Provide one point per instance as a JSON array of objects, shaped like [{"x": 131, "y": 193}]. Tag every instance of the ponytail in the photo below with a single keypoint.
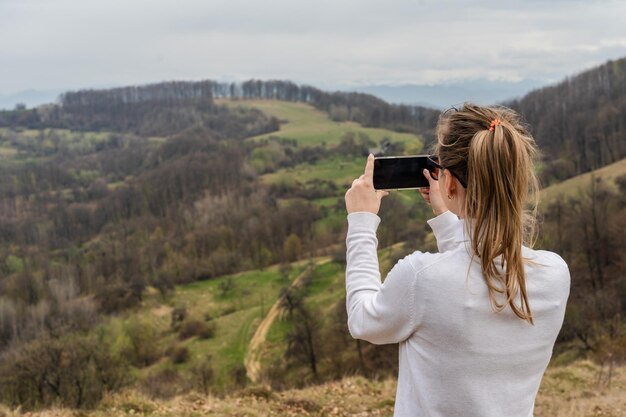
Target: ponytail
[{"x": 494, "y": 154}]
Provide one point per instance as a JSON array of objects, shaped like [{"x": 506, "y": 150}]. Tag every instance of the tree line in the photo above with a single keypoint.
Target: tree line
[
  {"x": 164, "y": 108},
  {"x": 580, "y": 123},
  {"x": 587, "y": 231},
  {"x": 365, "y": 109}
]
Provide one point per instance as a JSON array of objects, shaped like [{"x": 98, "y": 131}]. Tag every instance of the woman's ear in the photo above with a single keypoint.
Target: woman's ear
[{"x": 450, "y": 185}]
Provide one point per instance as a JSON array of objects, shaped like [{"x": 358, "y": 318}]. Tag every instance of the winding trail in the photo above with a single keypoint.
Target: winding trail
[{"x": 252, "y": 360}]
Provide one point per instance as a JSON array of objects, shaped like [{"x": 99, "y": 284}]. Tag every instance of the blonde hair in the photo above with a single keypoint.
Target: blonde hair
[{"x": 490, "y": 150}]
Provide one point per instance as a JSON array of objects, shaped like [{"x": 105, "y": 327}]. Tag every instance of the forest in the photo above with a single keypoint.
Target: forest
[
  {"x": 579, "y": 123},
  {"x": 113, "y": 198}
]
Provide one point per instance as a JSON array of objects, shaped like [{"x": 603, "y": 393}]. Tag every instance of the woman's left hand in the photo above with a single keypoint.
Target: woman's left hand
[
  {"x": 432, "y": 195},
  {"x": 362, "y": 196}
]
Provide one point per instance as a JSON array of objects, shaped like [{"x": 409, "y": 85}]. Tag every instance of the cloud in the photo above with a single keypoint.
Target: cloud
[{"x": 72, "y": 43}]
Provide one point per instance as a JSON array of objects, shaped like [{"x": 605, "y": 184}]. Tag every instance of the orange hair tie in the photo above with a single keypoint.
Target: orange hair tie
[{"x": 494, "y": 123}]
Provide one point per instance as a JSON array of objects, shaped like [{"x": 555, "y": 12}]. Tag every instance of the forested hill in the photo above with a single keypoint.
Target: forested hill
[
  {"x": 165, "y": 108},
  {"x": 580, "y": 123},
  {"x": 112, "y": 198}
]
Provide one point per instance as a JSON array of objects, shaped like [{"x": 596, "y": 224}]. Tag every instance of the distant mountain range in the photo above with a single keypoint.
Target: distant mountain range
[
  {"x": 30, "y": 98},
  {"x": 442, "y": 96}
]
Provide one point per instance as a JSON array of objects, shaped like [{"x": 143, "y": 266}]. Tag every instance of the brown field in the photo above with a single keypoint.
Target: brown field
[{"x": 566, "y": 391}]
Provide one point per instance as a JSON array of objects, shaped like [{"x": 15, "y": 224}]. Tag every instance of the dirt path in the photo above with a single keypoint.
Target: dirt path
[{"x": 255, "y": 348}]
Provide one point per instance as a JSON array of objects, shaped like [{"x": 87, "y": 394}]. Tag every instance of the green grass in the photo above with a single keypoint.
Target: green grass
[
  {"x": 228, "y": 347},
  {"x": 247, "y": 288},
  {"x": 116, "y": 184},
  {"x": 275, "y": 345},
  {"x": 7, "y": 152},
  {"x": 309, "y": 126},
  {"x": 276, "y": 333},
  {"x": 326, "y": 290},
  {"x": 156, "y": 140},
  {"x": 334, "y": 221},
  {"x": 341, "y": 171},
  {"x": 251, "y": 297},
  {"x": 323, "y": 293},
  {"x": 329, "y": 201},
  {"x": 324, "y": 276},
  {"x": 576, "y": 185},
  {"x": 327, "y": 285},
  {"x": 236, "y": 314}
]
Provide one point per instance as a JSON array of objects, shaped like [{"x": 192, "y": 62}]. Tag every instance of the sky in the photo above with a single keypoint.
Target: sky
[{"x": 73, "y": 44}]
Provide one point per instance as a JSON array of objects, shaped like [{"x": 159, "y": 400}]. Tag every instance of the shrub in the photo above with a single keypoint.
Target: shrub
[
  {"x": 198, "y": 328},
  {"x": 141, "y": 349},
  {"x": 164, "y": 384},
  {"x": 258, "y": 391},
  {"x": 202, "y": 376},
  {"x": 178, "y": 316},
  {"x": 208, "y": 331},
  {"x": 117, "y": 298},
  {"x": 228, "y": 310},
  {"x": 180, "y": 354},
  {"x": 74, "y": 371},
  {"x": 239, "y": 375}
]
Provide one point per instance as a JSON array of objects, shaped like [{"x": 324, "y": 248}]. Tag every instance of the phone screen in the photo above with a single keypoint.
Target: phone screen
[{"x": 400, "y": 172}]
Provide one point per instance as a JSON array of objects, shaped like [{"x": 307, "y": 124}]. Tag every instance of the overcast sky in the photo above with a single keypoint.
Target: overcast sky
[{"x": 70, "y": 44}]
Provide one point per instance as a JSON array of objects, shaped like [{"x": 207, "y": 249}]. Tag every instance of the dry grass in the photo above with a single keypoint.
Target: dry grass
[
  {"x": 571, "y": 391},
  {"x": 574, "y": 391}
]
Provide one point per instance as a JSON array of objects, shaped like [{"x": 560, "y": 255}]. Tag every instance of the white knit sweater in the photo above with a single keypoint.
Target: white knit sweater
[{"x": 457, "y": 356}]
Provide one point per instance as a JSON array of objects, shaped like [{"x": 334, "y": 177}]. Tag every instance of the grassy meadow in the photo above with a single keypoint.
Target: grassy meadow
[
  {"x": 309, "y": 126},
  {"x": 337, "y": 169},
  {"x": 232, "y": 305}
]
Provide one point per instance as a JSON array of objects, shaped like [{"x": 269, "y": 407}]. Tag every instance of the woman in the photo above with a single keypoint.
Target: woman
[{"x": 477, "y": 321}]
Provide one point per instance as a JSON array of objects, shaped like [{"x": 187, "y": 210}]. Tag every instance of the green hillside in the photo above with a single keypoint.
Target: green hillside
[
  {"x": 573, "y": 187},
  {"x": 231, "y": 306},
  {"x": 309, "y": 126},
  {"x": 339, "y": 170},
  {"x": 222, "y": 314}
]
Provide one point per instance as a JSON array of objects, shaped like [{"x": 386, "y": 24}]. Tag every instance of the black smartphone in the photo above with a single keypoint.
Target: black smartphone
[{"x": 400, "y": 172}]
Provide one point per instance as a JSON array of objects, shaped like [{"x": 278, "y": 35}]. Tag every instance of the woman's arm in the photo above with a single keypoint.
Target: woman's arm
[{"x": 377, "y": 312}]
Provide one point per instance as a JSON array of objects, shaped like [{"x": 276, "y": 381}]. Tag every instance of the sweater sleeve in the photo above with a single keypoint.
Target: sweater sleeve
[
  {"x": 377, "y": 312},
  {"x": 444, "y": 227}
]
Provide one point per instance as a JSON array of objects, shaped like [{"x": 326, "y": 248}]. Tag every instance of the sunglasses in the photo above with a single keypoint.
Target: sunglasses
[{"x": 435, "y": 169}]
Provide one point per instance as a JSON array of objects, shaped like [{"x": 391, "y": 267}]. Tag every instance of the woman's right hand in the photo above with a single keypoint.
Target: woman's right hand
[{"x": 432, "y": 195}]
